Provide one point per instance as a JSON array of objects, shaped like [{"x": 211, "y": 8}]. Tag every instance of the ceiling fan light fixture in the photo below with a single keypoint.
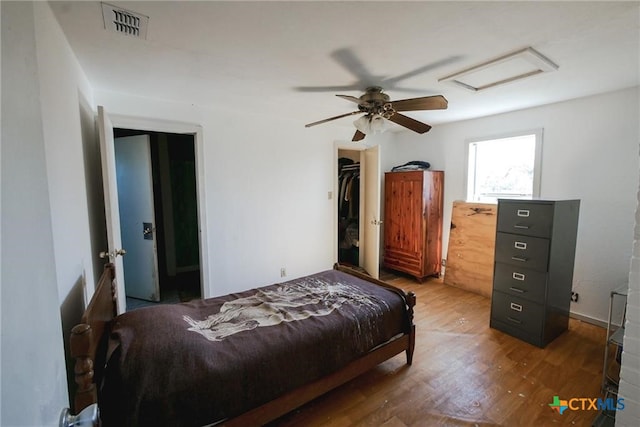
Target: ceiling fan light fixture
[{"x": 370, "y": 123}]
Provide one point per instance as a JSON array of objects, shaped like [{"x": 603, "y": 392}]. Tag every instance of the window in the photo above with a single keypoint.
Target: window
[{"x": 506, "y": 167}]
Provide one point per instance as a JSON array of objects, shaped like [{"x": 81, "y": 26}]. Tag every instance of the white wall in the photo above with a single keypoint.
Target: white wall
[
  {"x": 629, "y": 389},
  {"x": 61, "y": 88},
  {"x": 590, "y": 152},
  {"x": 33, "y": 379},
  {"x": 266, "y": 183}
]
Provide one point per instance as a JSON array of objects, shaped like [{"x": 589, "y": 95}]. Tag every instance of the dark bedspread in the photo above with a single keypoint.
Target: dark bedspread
[{"x": 196, "y": 363}]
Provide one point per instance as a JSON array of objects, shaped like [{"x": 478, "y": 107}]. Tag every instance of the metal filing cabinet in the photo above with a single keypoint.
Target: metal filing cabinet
[{"x": 533, "y": 270}]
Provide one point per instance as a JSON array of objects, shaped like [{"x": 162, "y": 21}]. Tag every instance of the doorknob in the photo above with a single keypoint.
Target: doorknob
[{"x": 106, "y": 254}]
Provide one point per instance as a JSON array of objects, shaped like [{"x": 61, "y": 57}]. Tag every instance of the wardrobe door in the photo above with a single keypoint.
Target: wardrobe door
[
  {"x": 403, "y": 231},
  {"x": 433, "y": 199}
]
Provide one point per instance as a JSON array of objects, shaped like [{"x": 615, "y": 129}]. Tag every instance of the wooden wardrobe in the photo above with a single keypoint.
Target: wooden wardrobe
[{"x": 413, "y": 202}]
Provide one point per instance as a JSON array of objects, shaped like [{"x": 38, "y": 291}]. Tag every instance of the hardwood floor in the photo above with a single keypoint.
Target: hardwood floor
[{"x": 465, "y": 373}]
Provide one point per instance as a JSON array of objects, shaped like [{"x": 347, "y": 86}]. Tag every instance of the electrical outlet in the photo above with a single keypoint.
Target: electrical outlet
[
  {"x": 574, "y": 296},
  {"x": 283, "y": 272}
]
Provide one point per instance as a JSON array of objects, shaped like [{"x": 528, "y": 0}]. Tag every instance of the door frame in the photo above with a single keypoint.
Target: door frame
[
  {"x": 166, "y": 126},
  {"x": 350, "y": 146}
]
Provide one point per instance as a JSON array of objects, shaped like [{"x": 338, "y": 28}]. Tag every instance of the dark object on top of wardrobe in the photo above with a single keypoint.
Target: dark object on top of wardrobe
[{"x": 412, "y": 166}]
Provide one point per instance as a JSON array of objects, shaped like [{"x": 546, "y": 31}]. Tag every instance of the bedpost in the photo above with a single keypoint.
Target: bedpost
[
  {"x": 411, "y": 302},
  {"x": 81, "y": 345},
  {"x": 87, "y": 336}
]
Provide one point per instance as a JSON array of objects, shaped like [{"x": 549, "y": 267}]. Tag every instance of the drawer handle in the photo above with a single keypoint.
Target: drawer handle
[
  {"x": 524, "y": 213},
  {"x": 520, "y": 245},
  {"x": 518, "y": 290},
  {"x": 521, "y": 259},
  {"x": 521, "y": 226},
  {"x": 515, "y": 307},
  {"x": 514, "y": 320},
  {"x": 518, "y": 276}
]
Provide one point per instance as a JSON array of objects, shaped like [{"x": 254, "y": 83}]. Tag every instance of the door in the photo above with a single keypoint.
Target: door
[
  {"x": 137, "y": 219},
  {"x": 371, "y": 226},
  {"x": 115, "y": 250},
  {"x": 404, "y": 214}
]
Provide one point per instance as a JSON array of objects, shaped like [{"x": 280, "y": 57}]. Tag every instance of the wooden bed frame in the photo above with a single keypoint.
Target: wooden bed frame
[{"x": 88, "y": 341}]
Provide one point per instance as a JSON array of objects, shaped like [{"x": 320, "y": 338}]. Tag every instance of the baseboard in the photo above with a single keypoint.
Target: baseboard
[{"x": 588, "y": 319}]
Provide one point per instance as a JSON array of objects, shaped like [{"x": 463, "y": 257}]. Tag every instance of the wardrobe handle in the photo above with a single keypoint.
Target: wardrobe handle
[
  {"x": 520, "y": 291},
  {"x": 521, "y": 259},
  {"x": 520, "y": 226},
  {"x": 514, "y": 320}
]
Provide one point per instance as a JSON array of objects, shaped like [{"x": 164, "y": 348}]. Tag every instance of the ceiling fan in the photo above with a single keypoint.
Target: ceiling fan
[{"x": 377, "y": 106}]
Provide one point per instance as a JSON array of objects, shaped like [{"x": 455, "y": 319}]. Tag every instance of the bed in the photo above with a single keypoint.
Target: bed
[{"x": 241, "y": 359}]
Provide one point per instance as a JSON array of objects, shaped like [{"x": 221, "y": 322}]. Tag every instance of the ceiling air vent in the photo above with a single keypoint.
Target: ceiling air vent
[{"x": 124, "y": 21}]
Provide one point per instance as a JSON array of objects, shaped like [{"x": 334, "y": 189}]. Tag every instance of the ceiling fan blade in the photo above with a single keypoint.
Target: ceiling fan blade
[
  {"x": 327, "y": 88},
  {"x": 409, "y": 123},
  {"x": 437, "y": 102},
  {"x": 319, "y": 122},
  {"x": 390, "y": 82},
  {"x": 363, "y": 104},
  {"x": 358, "y": 136},
  {"x": 350, "y": 98},
  {"x": 350, "y": 61}
]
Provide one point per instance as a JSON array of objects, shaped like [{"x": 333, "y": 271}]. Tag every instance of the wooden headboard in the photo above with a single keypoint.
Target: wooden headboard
[{"x": 89, "y": 336}]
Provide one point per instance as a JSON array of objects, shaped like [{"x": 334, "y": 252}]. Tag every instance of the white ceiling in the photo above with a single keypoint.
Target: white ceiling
[{"x": 259, "y": 56}]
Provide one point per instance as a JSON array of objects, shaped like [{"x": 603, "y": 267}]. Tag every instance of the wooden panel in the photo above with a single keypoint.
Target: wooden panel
[{"x": 471, "y": 249}]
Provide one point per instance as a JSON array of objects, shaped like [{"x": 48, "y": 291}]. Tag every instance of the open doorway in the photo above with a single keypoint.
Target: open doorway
[{"x": 175, "y": 212}]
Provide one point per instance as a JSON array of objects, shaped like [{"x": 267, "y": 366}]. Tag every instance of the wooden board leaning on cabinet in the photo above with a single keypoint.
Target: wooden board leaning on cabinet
[{"x": 472, "y": 240}]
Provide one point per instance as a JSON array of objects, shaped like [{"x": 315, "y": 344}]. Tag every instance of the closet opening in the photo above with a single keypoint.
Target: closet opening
[
  {"x": 349, "y": 191},
  {"x": 357, "y": 207}
]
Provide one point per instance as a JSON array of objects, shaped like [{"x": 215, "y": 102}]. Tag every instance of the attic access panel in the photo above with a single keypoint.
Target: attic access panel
[{"x": 508, "y": 68}]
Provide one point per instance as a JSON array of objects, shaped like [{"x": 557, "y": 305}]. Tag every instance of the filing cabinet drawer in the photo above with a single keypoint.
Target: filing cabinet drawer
[
  {"x": 519, "y": 313},
  {"x": 520, "y": 282},
  {"x": 522, "y": 251},
  {"x": 531, "y": 219}
]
